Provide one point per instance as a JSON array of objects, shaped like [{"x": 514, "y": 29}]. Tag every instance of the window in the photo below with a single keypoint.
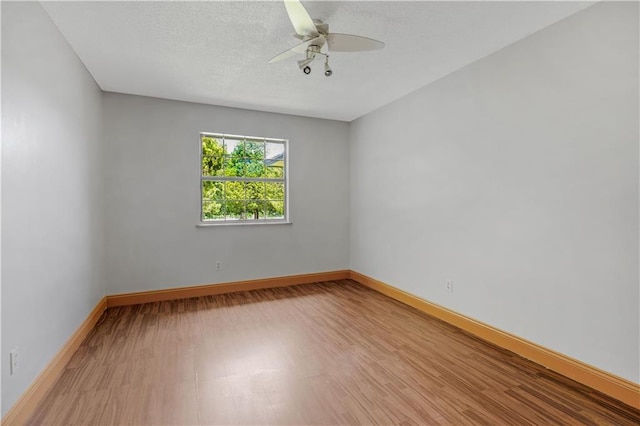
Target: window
[{"x": 242, "y": 179}]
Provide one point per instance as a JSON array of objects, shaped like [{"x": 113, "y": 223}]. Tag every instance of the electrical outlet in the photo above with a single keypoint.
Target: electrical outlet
[
  {"x": 449, "y": 286},
  {"x": 13, "y": 360},
  {"x": 218, "y": 266}
]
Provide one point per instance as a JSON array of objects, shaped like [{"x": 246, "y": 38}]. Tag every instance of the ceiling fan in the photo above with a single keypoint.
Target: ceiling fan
[{"x": 315, "y": 35}]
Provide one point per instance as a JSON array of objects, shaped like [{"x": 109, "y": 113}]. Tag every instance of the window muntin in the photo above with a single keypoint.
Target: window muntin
[{"x": 242, "y": 179}]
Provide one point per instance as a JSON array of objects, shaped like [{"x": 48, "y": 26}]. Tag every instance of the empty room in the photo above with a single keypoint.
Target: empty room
[{"x": 320, "y": 212}]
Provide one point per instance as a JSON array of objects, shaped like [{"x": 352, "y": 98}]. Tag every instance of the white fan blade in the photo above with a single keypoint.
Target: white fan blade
[
  {"x": 300, "y": 48},
  {"x": 352, "y": 43},
  {"x": 300, "y": 19},
  {"x": 284, "y": 55}
]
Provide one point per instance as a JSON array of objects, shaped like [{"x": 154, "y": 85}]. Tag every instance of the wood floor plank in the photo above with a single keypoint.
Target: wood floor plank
[{"x": 323, "y": 353}]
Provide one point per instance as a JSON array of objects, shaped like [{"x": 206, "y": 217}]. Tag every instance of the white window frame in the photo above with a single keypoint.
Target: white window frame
[{"x": 285, "y": 180}]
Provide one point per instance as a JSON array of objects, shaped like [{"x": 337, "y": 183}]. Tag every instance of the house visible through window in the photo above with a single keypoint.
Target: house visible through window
[{"x": 242, "y": 179}]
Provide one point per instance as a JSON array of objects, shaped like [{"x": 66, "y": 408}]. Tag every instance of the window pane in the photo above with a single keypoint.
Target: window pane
[
  {"x": 274, "y": 151},
  {"x": 256, "y": 209},
  {"x": 212, "y": 152},
  {"x": 212, "y": 166},
  {"x": 275, "y": 170},
  {"x": 275, "y": 209},
  {"x": 254, "y": 149},
  {"x": 212, "y": 210},
  {"x": 254, "y": 168},
  {"x": 274, "y": 160},
  {"x": 275, "y": 190},
  {"x": 234, "y": 166},
  {"x": 212, "y": 146},
  {"x": 235, "y": 210},
  {"x": 234, "y": 147},
  {"x": 234, "y": 190},
  {"x": 212, "y": 191},
  {"x": 255, "y": 191}
]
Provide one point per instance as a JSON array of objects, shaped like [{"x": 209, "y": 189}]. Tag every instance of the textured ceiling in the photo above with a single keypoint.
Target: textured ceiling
[{"x": 216, "y": 52}]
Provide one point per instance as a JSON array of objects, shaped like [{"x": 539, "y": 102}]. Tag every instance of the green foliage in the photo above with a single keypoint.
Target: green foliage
[
  {"x": 212, "y": 156},
  {"x": 241, "y": 200},
  {"x": 213, "y": 200}
]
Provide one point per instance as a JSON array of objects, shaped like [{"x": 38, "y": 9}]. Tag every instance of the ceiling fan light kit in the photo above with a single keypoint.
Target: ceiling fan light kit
[{"x": 315, "y": 35}]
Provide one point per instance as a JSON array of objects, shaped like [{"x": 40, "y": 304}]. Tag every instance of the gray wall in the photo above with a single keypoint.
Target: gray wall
[
  {"x": 152, "y": 205},
  {"x": 517, "y": 178},
  {"x": 52, "y": 227}
]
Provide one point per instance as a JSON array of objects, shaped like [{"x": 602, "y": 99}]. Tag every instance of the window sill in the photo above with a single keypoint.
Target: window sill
[{"x": 258, "y": 223}]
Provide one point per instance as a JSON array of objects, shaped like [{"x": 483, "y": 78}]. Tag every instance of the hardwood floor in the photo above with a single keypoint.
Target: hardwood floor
[{"x": 325, "y": 353}]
